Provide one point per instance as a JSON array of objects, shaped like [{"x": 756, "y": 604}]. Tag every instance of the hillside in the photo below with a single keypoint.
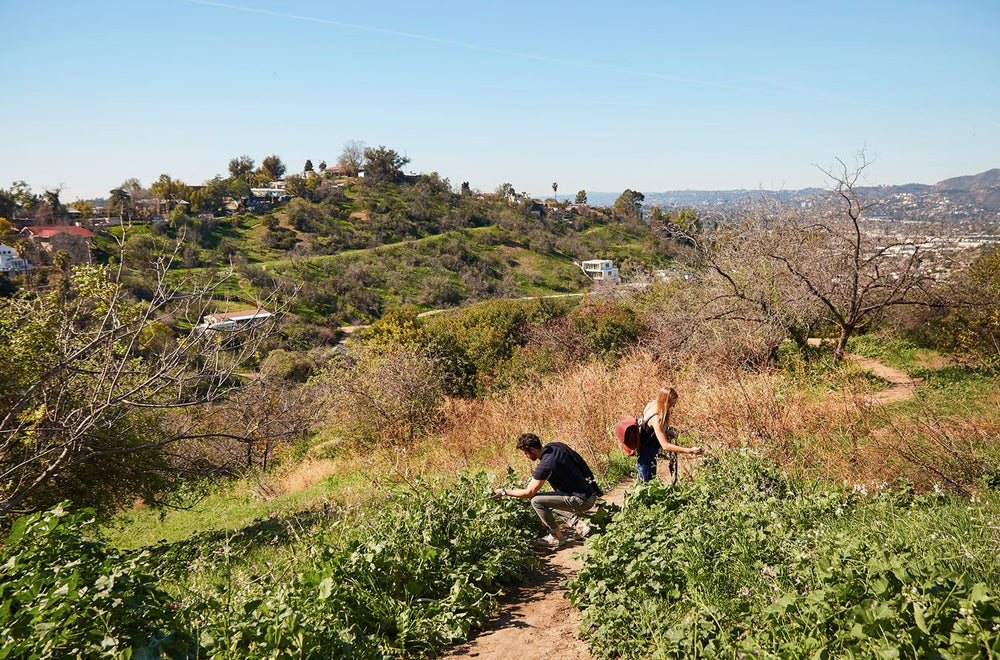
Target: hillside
[{"x": 358, "y": 249}]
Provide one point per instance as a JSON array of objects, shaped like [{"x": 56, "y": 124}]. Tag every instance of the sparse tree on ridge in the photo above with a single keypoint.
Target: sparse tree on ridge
[
  {"x": 120, "y": 202},
  {"x": 352, "y": 158},
  {"x": 308, "y": 167},
  {"x": 581, "y": 197},
  {"x": 240, "y": 167},
  {"x": 384, "y": 165},
  {"x": 628, "y": 206},
  {"x": 271, "y": 168}
]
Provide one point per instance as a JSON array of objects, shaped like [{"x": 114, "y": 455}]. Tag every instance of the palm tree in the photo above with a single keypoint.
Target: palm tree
[{"x": 555, "y": 187}]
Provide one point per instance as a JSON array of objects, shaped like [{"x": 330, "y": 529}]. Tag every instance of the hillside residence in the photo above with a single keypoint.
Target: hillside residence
[
  {"x": 234, "y": 320},
  {"x": 600, "y": 270},
  {"x": 71, "y": 238},
  {"x": 11, "y": 262}
]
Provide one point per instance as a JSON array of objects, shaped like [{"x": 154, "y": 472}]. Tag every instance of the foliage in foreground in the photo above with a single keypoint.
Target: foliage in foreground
[
  {"x": 746, "y": 562},
  {"x": 417, "y": 572}
]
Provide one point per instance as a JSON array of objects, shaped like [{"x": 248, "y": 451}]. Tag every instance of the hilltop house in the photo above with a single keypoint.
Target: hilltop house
[
  {"x": 600, "y": 270},
  {"x": 11, "y": 262},
  {"x": 74, "y": 240}
]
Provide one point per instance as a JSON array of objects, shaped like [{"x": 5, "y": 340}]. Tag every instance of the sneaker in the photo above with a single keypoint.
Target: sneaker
[
  {"x": 549, "y": 541},
  {"x": 582, "y": 530}
]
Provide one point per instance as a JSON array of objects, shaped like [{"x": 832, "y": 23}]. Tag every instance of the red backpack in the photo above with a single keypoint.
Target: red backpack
[{"x": 627, "y": 432}]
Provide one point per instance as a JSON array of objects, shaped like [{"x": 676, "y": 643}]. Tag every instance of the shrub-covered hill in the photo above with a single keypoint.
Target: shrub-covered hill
[{"x": 350, "y": 251}]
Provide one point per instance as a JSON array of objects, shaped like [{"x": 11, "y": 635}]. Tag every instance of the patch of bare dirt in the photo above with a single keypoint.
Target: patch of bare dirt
[{"x": 901, "y": 385}]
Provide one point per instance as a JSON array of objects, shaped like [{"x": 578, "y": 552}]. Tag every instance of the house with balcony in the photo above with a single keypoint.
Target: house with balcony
[{"x": 600, "y": 270}]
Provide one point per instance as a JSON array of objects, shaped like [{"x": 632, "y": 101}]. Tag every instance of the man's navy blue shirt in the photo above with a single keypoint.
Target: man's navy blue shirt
[{"x": 565, "y": 470}]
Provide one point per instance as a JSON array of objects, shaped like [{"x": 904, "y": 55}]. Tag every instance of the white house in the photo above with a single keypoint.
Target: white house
[
  {"x": 600, "y": 270},
  {"x": 11, "y": 262},
  {"x": 234, "y": 320}
]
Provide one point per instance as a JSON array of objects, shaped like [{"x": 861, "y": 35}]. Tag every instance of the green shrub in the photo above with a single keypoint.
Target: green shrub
[
  {"x": 62, "y": 595},
  {"x": 746, "y": 562}
]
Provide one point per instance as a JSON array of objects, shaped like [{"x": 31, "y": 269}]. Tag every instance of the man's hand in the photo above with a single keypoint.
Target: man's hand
[{"x": 499, "y": 492}]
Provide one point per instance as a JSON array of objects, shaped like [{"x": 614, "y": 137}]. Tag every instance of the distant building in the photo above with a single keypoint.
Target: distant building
[
  {"x": 74, "y": 240},
  {"x": 600, "y": 270},
  {"x": 11, "y": 262},
  {"x": 234, "y": 320}
]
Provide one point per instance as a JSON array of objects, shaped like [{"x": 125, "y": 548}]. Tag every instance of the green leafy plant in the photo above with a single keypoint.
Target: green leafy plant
[{"x": 747, "y": 562}]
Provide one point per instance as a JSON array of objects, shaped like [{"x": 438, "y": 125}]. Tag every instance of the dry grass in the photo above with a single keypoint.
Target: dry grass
[
  {"x": 840, "y": 434},
  {"x": 300, "y": 476}
]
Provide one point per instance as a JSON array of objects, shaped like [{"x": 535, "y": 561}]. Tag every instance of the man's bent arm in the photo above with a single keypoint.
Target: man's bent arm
[{"x": 533, "y": 487}]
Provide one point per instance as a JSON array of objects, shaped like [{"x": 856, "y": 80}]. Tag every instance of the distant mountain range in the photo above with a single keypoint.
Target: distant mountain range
[{"x": 972, "y": 197}]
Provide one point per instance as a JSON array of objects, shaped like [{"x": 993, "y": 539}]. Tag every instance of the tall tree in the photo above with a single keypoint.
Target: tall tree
[
  {"x": 383, "y": 165},
  {"x": 120, "y": 202},
  {"x": 628, "y": 206},
  {"x": 271, "y": 168},
  {"x": 352, "y": 158},
  {"x": 555, "y": 187},
  {"x": 55, "y": 208},
  {"x": 240, "y": 167},
  {"x": 308, "y": 167}
]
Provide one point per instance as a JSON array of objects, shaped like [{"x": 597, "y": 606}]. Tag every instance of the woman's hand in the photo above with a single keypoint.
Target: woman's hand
[{"x": 698, "y": 451}]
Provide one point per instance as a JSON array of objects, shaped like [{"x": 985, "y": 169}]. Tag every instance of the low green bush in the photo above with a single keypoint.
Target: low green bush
[
  {"x": 415, "y": 571},
  {"x": 62, "y": 595},
  {"x": 746, "y": 562}
]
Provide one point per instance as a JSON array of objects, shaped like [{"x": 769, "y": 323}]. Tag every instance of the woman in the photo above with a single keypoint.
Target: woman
[{"x": 656, "y": 435}]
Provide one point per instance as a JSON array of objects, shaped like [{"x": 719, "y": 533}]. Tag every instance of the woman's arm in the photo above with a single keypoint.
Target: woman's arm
[{"x": 665, "y": 443}]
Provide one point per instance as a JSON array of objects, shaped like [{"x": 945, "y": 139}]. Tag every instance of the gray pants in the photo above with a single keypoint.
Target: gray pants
[{"x": 563, "y": 505}]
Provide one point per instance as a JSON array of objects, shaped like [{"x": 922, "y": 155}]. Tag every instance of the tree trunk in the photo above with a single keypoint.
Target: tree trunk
[{"x": 840, "y": 348}]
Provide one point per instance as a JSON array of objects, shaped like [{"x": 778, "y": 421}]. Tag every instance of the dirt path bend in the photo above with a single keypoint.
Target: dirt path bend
[
  {"x": 536, "y": 619},
  {"x": 901, "y": 385}
]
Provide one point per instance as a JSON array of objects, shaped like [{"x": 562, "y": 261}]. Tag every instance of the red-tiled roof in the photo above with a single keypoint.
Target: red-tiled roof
[{"x": 49, "y": 232}]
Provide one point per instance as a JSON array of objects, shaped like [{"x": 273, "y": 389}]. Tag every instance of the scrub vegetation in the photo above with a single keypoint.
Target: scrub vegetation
[{"x": 294, "y": 491}]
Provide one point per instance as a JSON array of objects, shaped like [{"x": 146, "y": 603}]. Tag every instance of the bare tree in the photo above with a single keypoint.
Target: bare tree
[
  {"x": 795, "y": 267},
  {"x": 92, "y": 378},
  {"x": 352, "y": 157},
  {"x": 389, "y": 395}
]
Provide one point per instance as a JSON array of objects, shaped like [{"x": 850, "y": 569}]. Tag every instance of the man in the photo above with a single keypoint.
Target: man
[{"x": 573, "y": 483}]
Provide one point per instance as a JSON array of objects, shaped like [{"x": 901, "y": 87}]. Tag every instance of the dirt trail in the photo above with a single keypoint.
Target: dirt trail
[
  {"x": 901, "y": 385},
  {"x": 536, "y": 620}
]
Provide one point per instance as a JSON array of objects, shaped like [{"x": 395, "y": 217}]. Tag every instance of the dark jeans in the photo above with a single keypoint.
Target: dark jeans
[{"x": 647, "y": 461}]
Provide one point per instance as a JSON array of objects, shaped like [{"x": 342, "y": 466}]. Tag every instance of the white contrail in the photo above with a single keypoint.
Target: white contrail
[{"x": 476, "y": 47}]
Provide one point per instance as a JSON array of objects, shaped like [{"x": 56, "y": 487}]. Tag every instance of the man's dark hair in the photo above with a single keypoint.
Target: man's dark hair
[{"x": 529, "y": 441}]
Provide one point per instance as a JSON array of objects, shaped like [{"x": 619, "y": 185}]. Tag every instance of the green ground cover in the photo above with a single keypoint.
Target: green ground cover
[{"x": 747, "y": 562}]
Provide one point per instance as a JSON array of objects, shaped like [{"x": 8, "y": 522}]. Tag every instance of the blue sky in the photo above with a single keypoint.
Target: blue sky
[{"x": 601, "y": 96}]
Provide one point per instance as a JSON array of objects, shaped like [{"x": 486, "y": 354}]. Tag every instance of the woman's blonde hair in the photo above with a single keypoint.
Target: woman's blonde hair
[{"x": 666, "y": 395}]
